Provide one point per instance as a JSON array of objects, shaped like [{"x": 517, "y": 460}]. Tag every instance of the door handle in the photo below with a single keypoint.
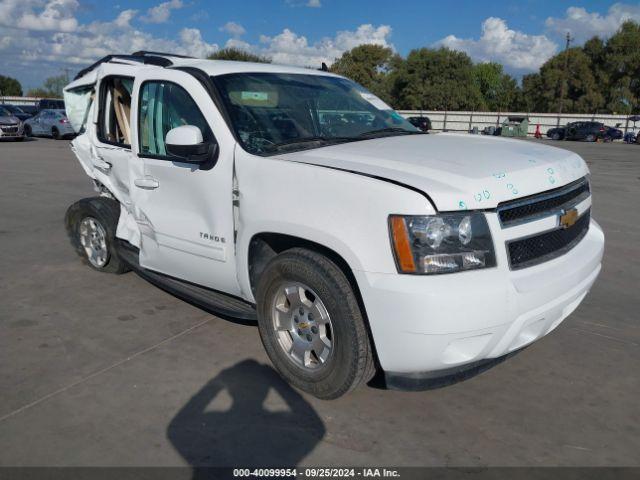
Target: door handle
[{"x": 148, "y": 183}]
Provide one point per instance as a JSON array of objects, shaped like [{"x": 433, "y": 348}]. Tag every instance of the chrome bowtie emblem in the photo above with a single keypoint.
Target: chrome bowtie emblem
[{"x": 568, "y": 218}]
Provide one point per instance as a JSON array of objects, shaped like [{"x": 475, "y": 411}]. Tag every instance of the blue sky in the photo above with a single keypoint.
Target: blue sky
[{"x": 40, "y": 38}]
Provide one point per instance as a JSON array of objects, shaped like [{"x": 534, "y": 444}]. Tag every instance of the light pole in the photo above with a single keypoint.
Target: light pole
[{"x": 563, "y": 80}]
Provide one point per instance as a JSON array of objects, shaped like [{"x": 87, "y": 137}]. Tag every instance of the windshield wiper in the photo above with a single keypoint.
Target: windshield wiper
[
  {"x": 314, "y": 139},
  {"x": 382, "y": 131}
]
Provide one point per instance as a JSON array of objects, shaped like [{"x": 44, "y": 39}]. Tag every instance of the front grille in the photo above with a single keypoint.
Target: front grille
[
  {"x": 529, "y": 251},
  {"x": 9, "y": 128},
  {"x": 543, "y": 205}
]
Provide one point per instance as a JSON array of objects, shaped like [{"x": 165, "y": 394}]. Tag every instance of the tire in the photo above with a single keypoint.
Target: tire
[
  {"x": 555, "y": 136},
  {"x": 590, "y": 138},
  {"x": 350, "y": 361},
  {"x": 103, "y": 213},
  {"x": 27, "y": 131},
  {"x": 55, "y": 133}
]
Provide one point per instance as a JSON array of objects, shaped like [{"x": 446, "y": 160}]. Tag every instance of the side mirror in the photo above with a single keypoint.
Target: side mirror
[{"x": 186, "y": 142}]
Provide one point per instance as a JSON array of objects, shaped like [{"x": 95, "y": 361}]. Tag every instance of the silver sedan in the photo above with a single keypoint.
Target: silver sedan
[
  {"x": 10, "y": 126},
  {"x": 53, "y": 123}
]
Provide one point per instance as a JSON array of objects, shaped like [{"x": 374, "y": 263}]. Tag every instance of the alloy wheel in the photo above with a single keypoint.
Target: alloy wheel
[
  {"x": 302, "y": 325},
  {"x": 93, "y": 239}
]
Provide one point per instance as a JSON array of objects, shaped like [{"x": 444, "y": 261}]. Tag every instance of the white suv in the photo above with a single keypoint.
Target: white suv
[{"x": 298, "y": 198}]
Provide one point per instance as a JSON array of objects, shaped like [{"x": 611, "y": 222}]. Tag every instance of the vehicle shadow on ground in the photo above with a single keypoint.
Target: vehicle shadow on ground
[{"x": 208, "y": 432}]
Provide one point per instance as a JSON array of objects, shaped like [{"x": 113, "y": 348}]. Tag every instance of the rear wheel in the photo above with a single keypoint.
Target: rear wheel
[
  {"x": 55, "y": 133},
  {"x": 91, "y": 226},
  {"x": 311, "y": 324},
  {"x": 590, "y": 138}
]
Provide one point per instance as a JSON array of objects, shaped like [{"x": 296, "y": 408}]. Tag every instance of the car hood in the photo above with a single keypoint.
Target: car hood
[
  {"x": 8, "y": 120},
  {"x": 457, "y": 171}
]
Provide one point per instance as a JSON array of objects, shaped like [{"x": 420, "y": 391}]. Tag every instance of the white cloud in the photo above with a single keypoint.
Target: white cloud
[
  {"x": 234, "y": 29},
  {"x": 123, "y": 20},
  {"x": 161, "y": 12},
  {"x": 36, "y": 54},
  {"x": 583, "y": 25},
  {"x": 304, "y": 3},
  {"x": 41, "y": 49},
  {"x": 292, "y": 49},
  {"x": 517, "y": 51},
  {"x": 54, "y": 15},
  {"x": 239, "y": 44}
]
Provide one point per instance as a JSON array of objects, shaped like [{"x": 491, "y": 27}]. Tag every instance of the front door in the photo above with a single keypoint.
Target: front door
[{"x": 184, "y": 211}]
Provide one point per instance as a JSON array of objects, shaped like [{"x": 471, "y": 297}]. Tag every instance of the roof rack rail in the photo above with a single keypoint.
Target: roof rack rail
[
  {"x": 139, "y": 57},
  {"x": 143, "y": 53}
]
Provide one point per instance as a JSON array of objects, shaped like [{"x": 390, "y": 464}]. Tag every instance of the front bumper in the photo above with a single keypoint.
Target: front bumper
[
  {"x": 11, "y": 132},
  {"x": 437, "y": 323}
]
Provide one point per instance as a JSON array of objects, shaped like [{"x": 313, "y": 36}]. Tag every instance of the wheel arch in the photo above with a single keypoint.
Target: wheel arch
[{"x": 264, "y": 246}]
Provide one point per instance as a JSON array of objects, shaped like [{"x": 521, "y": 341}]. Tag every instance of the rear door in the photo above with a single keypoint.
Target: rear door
[
  {"x": 37, "y": 123},
  {"x": 184, "y": 211}
]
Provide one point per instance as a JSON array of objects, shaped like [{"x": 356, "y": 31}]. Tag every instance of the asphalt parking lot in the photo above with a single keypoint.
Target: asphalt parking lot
[{"x": 106, "y": 370}]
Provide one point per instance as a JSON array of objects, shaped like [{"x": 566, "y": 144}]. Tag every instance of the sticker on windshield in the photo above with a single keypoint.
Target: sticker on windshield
[
  {"x": 256, "y": 96},
  {"x": 375, "y": 101}
]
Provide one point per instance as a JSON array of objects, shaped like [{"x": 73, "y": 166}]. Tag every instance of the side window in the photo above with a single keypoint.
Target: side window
[
  {"x": 164, "y": 106},
  {"x": 114, "y": 125}
]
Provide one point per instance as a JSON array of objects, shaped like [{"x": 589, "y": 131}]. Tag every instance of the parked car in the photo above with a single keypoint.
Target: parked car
[
  {"x": 50, "y": 104},
  {"x": 16, "y": 112},
  {"x": 30, "y": 110},
  {"x": 371, "y": 247},
  {"x": 423, "y": 123},
  {"x": 613, "y": 133},
  {"x": 556, "y": 133},
  {"x": 585, "y": 131},
  {"x": 11, "y": 127},
  {"x": 53, "y": 123}
]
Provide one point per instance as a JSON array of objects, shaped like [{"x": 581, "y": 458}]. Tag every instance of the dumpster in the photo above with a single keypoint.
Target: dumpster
[{"x": 515, "y": 126}]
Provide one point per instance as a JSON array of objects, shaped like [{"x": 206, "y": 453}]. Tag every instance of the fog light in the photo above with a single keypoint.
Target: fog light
[
  {"x": 473, "y": 259},
  {"x": 439, "y": 263}
]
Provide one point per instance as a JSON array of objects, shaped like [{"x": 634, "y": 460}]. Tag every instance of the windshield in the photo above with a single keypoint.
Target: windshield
[
  {"x": 279, "y": 112},
  {"x": 4, "y": 112},
  {"x": 12, "y": 108}
]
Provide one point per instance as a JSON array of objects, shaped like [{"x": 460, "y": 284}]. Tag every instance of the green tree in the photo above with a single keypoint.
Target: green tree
[
  {"x": 54, "y": 85},
  {"x": 238, "y": 55},
  {"x": 10, "y": 86},
  {"x": 52, "y": 88},
  {"x": 38, "y": 92},
  {"x": 582, "y": 92},
  {"x": 622, "y": 60},
  {"x": 372, "y": 66},
  {"x": 436, "y": 79},
  {"x": 499, "y": 90}
]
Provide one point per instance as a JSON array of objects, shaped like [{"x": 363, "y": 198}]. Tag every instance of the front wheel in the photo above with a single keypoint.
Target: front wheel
[
  {"x": 55, "y": 133},
  {"x": 311, "y": 324},
  {"x": 555, "y": 136},
  {"x": 27, "y": 131}
]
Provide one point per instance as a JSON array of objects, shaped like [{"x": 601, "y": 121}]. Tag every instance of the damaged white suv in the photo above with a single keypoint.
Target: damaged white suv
[{"x": 297, "y": 198}]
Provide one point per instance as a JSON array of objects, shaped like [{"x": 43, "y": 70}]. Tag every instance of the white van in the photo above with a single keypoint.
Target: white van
[{"x": 297, "y": 198}]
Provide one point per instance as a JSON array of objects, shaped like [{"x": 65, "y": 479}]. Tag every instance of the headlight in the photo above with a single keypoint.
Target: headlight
[{"x": 445, "y": 243}]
